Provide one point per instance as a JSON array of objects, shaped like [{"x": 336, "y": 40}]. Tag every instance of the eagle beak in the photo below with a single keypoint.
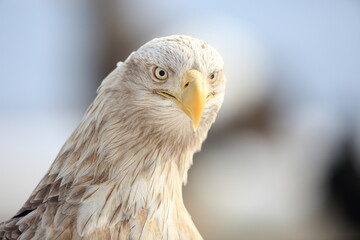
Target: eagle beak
[{"x": 193, "y": 96}]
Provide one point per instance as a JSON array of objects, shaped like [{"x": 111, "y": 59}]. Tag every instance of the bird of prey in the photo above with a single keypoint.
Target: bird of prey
[{"x": 120, "y": 174}]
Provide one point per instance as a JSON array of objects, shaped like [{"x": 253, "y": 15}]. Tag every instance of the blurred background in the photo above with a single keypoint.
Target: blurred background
[{"x": 283, "y": 159}]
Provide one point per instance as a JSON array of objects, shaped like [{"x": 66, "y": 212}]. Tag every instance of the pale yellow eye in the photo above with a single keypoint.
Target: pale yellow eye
[
  {"x": 212, "y": 77},
  {"x": 160, "y": 74}
]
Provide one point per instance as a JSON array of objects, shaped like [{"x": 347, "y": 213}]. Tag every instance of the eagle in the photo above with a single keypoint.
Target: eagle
[{"x": 120, "y": 173}]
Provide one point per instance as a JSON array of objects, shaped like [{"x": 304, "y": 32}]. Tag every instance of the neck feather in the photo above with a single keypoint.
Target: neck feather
[{"x": 125, "y": 169}]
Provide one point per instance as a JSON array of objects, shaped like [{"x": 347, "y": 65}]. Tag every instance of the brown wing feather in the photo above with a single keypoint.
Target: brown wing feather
[{"x": 26, "y": 221}]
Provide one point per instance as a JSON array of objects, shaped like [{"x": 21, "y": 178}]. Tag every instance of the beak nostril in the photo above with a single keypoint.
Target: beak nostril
[{"x": 186, "y": 85}]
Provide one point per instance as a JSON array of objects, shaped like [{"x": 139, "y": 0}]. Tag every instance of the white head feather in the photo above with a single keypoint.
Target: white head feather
[{"x": 177, "y": 54}]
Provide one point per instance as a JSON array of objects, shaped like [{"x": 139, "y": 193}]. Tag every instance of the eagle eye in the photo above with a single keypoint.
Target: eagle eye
[{"x": 160, "y": 74}]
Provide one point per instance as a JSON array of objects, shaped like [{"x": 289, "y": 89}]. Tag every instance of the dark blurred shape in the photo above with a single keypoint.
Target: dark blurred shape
[
  {"x": 119, "y": 39},
  {"x": 344, "y": 183}
]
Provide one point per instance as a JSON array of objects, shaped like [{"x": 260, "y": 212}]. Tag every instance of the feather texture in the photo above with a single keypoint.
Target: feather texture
[{"x": 120, "y": 174}]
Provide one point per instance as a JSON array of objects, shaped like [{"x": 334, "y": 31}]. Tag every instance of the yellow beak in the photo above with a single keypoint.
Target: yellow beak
[{"x": 192, "y": 97}]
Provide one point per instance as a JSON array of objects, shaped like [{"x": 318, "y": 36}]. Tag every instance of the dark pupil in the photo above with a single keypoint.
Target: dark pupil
[
  {"x": 212, "y": 76},
  {"x": 162, "y": 73}
]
